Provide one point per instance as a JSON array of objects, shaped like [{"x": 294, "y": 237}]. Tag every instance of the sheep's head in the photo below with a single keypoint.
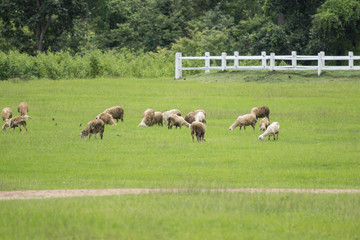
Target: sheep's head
[
  {"x": 263, "y": 127},
  {"x": 261, "y": 138},
  {"x": 83, "y": 135},
  {"x": 231, "y": 128},
  {"x": 5, "y": 126},
  {"x": 26, "y": 117}
]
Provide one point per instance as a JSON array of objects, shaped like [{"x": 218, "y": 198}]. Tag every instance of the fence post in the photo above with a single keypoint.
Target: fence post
[
  {"x": 236, "y": 60},
  {"x": 263, "y": 60},
  {"x": 207, "y": 62},
  {"x": 322, "y": 57},
  {"x": 293, "y": 60},
  {"x": 320, "y": 62},
  {"x": 351, "y": 60},
  {"x": 223, "y": 61},
  {"x": 272, "y": 61},
  {"x": 178, "y": 65}
]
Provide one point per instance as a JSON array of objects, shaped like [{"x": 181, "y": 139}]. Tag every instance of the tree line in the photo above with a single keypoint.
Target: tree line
[{"x": 192, "y": 27}]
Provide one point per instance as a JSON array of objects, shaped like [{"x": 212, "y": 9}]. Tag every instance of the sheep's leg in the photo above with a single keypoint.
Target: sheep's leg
[
  {"x": 253, "y": 126},
  {"x": 192, "y": 135},
  {"x": 101, "y": 135},
  {"x": 240, "y": 127},
  {"x": 277, "y": 136},
  {"x": 90, "y": 135},
  {"x": 19, "y": 127},
  {"x": 25, "y": 127},
  {"x": 95, "y": 136}
]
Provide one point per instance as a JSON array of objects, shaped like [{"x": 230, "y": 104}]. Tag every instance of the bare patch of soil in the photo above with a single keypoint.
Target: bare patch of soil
[{"x": 41, "y": 194}]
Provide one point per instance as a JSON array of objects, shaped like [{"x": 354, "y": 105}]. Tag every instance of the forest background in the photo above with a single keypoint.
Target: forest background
[{"x": 91, "y": 29}]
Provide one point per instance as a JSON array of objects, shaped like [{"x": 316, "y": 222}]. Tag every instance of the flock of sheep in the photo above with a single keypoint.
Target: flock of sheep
[{"x": 194, "y": 120}]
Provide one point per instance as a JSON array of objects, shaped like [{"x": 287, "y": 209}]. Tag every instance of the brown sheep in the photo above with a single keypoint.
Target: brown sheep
[
  {"x": 158, "y": 118},
  {"x": 147, "y": 118},
  {"x": 175, "y": 120},
  {"x": 116, "y": 112},
  {"x": 23, "y": 109},
  {"x": 107, "y": 118},
  {"x": 190, "y": 117},
  {"x": 262, "y": 111},
  {"x": 167, "y": 114},
  {"x": 16, "y": 122},
  {"x": 264, "y": 123},
  {"x": 6, "y": 114},
  {"x": 93, "y": 127},
  {"x": 245, "y": 120},
  {"x": 199, "y": 129}
]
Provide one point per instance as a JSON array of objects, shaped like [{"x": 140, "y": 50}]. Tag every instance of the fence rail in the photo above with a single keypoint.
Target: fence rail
[{"x": 267, "y": 62}]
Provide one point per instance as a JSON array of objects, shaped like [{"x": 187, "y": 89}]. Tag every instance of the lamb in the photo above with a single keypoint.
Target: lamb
[
  {"x": 262, "y": 111},
  {"x": 16, "y": 122},
  {"x": 190, "y": 117},
  {"x": 167, "y": 114},
  {"x": 200, "y": 117},
  {"x": 177, "y": 121},
  {"x": 198, "y": 128},
  {"x": 272, "y": 130},
  {"x": 93, "y": 127},
  {"x": 107, "y": 118},
  {"x": 116, "y": 112},
  {"x": 23, "y": 109},
  {"x": 6, "y": 114},
  {"x": 158, "y": 118},
  {"x": 244, "y": 120},
  {"x": 264, "y": 123},
  {"x": 147, "y": 118}
]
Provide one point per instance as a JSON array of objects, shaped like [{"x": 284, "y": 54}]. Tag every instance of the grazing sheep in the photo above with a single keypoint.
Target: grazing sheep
[
  {"x": 261, "y": 112},
  {"x": 245, "y": 120},
  {"x": 23, "y": 109},
  {"x": 264, "y": 123},
  {"x": 93, "y": 127},
  {"x": 199, "y": 129},
  {"x": 167, "y": 114},
  {"x": 177, "y": 121},
  {"x": 200, "y": 117},
  {"x": 272, "y": 130},
  {"x": 107, "y": 118},
  {"x": 158, "y": 118},
  {"x": 147, "y": 118},
  {"x": 16, "y": 122},
  {"x": 116, "y": 112},
  {"x": 190, "y": 117},
  {"x": 6, "y": 114}
]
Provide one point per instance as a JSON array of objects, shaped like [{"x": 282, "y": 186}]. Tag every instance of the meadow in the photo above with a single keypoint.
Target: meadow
[{"x": 318, "y": 147}]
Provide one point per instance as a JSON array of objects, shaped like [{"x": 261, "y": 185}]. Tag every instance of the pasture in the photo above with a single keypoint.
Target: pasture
[{"x": 318, "y": 147}]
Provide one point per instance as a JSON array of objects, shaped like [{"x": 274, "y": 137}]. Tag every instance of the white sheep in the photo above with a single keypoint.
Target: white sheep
[
  {"x": 23, "y": 109},
  {"x": 147, "y": 118},
  {"x": 167, "y": 114},
  {"x": 272, "y": 130},
  {"x": 243, "y": 121},
  {"x": 200, "y": 117},
  {"x": 264, "y": 123},
  {"x": 199, "y": 129},
  {"x": 93, "y": 127},
  {"x": 177, "y": 121},
  {"x": 6, "y": 114}
]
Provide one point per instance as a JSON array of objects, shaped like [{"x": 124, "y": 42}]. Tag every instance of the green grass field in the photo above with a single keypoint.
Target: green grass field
[{"x": 318, "y": 147}]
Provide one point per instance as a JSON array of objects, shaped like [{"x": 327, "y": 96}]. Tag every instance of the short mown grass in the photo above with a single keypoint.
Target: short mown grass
[{"x": 318, "y": 147}]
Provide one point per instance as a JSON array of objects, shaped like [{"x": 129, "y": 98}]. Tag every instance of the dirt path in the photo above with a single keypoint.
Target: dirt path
[{"x": 41, "y": 194}]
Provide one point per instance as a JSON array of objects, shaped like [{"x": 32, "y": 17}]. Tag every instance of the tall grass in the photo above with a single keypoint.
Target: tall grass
[{"x": 88, "y": 64}]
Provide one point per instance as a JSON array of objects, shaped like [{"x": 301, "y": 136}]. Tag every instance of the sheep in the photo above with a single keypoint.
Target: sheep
[
  {"x": 116, "y": 112},
  {"x": 16, "y": 122},
  {"x": 262, "y": 111},
  {"x": 244, "y": 120},
  {"x": 167, "y": 114},
  {"x": 264, "y": 123},
  {"x": 273, "y": 129},
  {"x": 200, "y": 117},
  {"x": 93, "y": 127},
  {"x": 23, "y": 109},
  {"x": 147, "y": 118},
  {"x": 190, "y": 117},
  {"x": 177, "y": 121},
  {"x": 6, "y": 114},
  {"x": 158, "y": 118},
  {"x": 198, "y": 128},
  {"x": 107, "y": 118}
]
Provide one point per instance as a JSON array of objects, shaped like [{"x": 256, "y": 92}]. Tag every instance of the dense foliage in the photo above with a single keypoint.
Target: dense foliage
[{"x": 79, "y": 27}]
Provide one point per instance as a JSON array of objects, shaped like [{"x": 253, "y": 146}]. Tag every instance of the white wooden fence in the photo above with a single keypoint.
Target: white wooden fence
[{"x": 320, "y": 58}]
